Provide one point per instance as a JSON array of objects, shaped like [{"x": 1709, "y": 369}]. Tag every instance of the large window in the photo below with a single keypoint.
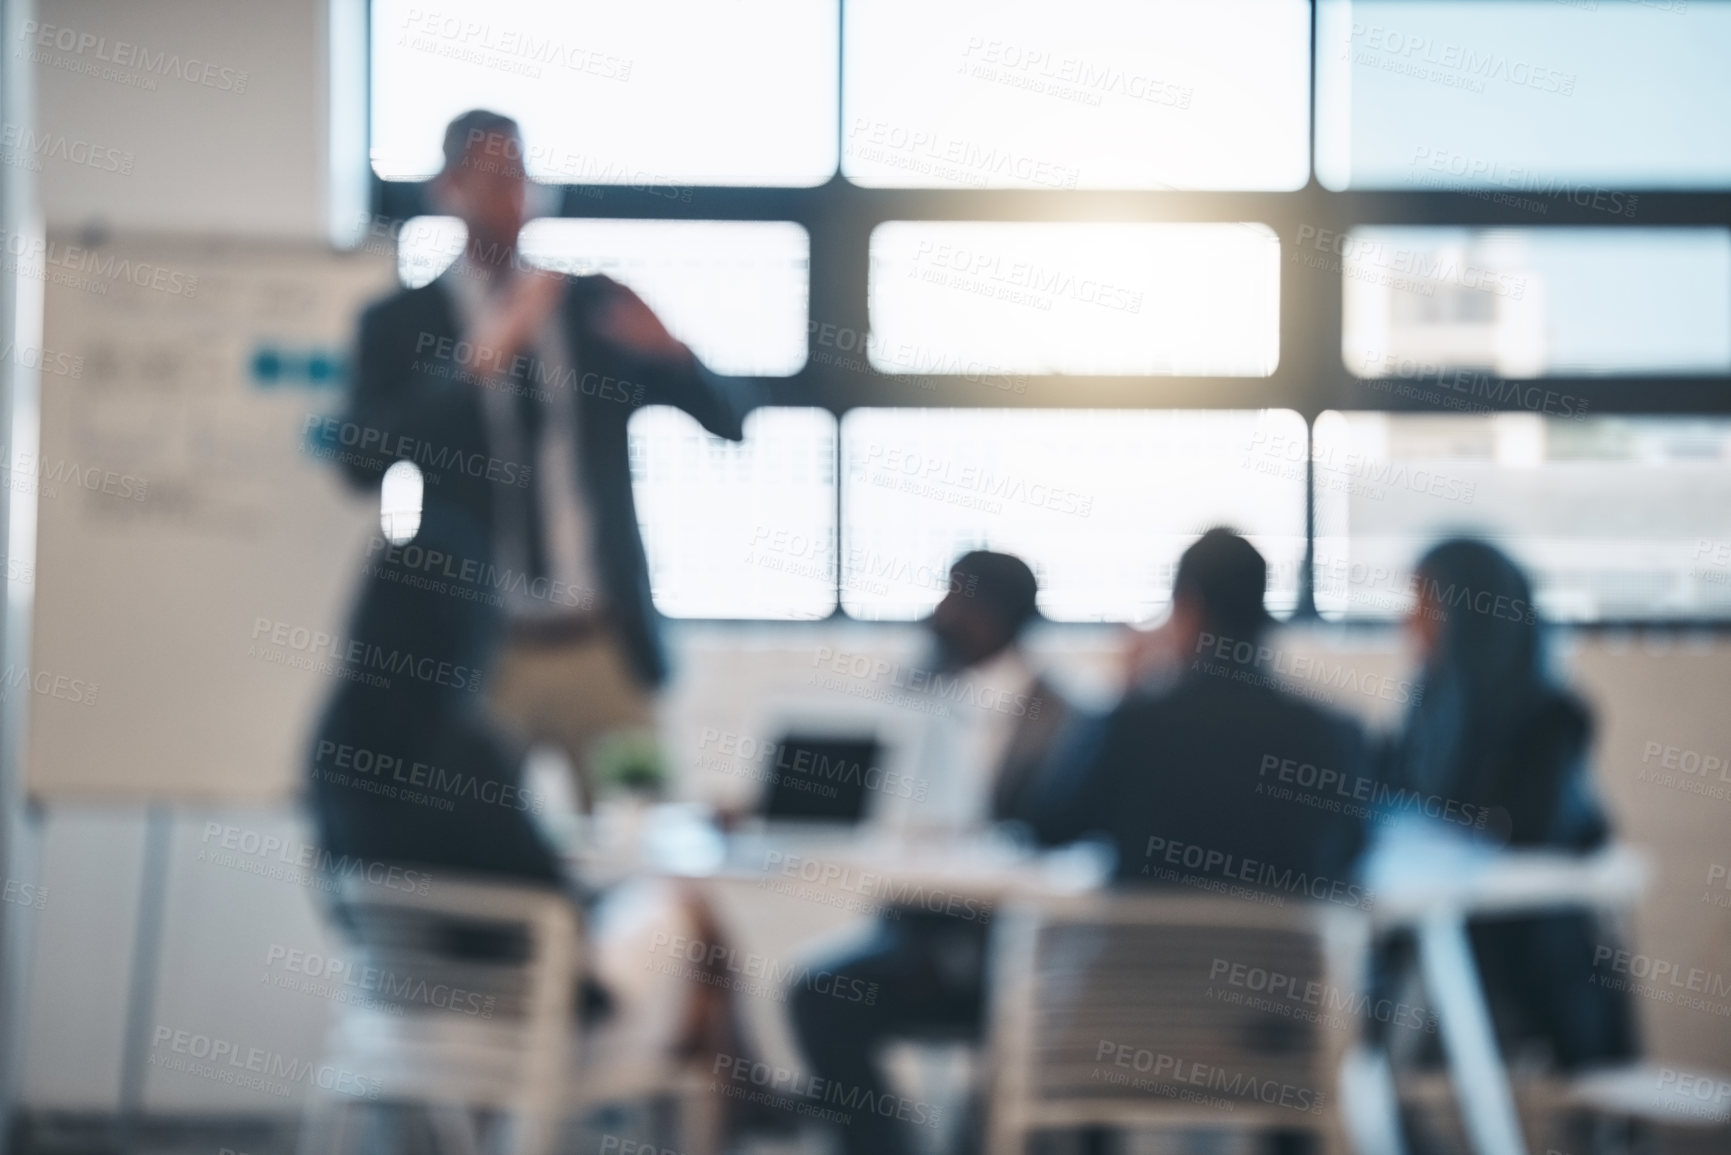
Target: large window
[
  {"x": 1131, "y": 300},
  {"x": 1615, "y": 517},
  {"x": 1537, "y": 302},
  {"x": 1101, "y": 503},
  {"x": 1539, "y": 96},
  {"x": 738, "y": 530},
  {"x": 662, "y": 93},
  {"x": 735, "y": 291},
  {"x": 1077, "y": 247},
  {"x": 1086, "y": 94}
]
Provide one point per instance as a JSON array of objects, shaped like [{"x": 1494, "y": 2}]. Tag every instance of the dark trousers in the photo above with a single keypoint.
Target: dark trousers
[
  {"x": 922, "y": 977},
  {"x": 919, "y": 976},
  {"x": 395, "y": 813}
]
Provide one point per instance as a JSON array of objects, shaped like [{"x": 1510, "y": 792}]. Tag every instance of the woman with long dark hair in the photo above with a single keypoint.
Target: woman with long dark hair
[{"x": 1491, "y": 730}]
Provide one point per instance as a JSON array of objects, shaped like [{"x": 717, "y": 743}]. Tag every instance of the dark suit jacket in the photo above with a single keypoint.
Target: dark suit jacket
[
  {"x": 1540, "y": 972},
  {"x": 415, "y": 392},
  {"x": 440, "y": 603},
  {"x": 1199, "y": 768}
]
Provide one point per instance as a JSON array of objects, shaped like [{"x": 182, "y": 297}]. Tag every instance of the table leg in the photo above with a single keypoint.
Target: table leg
[{"x": 1481, "y": 1082}]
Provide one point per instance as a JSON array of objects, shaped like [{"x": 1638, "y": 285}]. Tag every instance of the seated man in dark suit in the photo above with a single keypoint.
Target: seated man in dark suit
[
  {"x": 927, "y": 965},
  {"x": 1184, "y": 778}
]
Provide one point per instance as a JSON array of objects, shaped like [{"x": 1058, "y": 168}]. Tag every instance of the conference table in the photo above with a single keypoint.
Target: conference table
[
  {"x": 791, "y": 896},
  {"x": 1424, "y": 880},
  {"x": 843, "y": 862},
  {"x": 1432, "y": 882}
]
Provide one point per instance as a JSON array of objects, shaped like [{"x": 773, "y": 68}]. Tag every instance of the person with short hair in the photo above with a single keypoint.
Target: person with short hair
[
  {"x": 1187, "y": 777},
  {"x": 927, "y": 967},
  {"x": 509, "y": 388},
  {"x": 1197, "y": 776},
  {"x": 520, "y": 611}
]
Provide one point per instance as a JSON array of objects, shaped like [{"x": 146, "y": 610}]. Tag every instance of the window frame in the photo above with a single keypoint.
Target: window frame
[{"x": 1310, "y": 376}]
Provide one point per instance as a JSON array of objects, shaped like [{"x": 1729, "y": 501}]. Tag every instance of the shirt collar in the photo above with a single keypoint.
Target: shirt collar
[{"x": 1008, "y": 669}]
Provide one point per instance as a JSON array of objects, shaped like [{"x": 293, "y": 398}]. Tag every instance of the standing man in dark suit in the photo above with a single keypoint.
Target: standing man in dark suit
[
  {"x": 928, "y": 965},
  {"x": 1186, "y": 779},
  {"x": 509, "y": 389}
]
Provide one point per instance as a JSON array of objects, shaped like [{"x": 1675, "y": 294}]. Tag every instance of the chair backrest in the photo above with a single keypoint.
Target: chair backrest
[
  {"x": 499, "y": 952},
  {"x": 459, "y": 996},
  {"x": 1127, "y": 1006}
]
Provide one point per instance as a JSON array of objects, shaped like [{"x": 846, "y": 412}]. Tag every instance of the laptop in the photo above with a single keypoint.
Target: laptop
[{"x": 821, "y": 777}]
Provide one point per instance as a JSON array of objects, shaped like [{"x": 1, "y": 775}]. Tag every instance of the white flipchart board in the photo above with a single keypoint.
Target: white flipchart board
[{"x": 151, "y": 592}]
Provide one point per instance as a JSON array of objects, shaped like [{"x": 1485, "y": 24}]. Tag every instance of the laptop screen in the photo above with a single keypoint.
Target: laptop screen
[{"x": 820, "y": 778}]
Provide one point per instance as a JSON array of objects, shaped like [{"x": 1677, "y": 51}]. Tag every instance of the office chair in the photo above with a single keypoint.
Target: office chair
[
  {"x": 1165, "y": 1011},
  {"x": 463, "y": 1008}
]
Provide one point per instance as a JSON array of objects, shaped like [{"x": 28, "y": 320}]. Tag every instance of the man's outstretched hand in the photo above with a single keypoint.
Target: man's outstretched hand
[{"x": 632, "y": 325}]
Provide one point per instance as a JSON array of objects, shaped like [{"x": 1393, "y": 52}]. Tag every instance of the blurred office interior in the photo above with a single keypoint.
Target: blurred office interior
[{"x": 1073, "y": 282}]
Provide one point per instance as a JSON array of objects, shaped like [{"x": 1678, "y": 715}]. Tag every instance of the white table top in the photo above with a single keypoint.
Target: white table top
[
  {"x": 679, "y": 842},
  {"x": 1422, "y": 872}
]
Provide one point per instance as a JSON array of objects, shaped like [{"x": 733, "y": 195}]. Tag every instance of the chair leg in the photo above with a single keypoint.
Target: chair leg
[
  {"x": 338, "y": 1124},
  {"x": 530, "y": 1129},
  {"x": 322, "y": 1126},
  {"x": 453, "y": 1129},
  {"x": 1004, "y": 1136},
  {"x": 1098, "y": 1141},
  {"x": 1369, "y": 1108},
  {"x": 1593, "y": 1134},
  {"x": 698, "y": 1119}
]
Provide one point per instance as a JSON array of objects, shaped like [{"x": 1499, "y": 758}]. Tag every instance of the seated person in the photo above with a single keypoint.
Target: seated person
[
  {"x": 979, "y": 763},
  {"x": 1492, "y": 732},
  {"x": 1177, "y": 776}
]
